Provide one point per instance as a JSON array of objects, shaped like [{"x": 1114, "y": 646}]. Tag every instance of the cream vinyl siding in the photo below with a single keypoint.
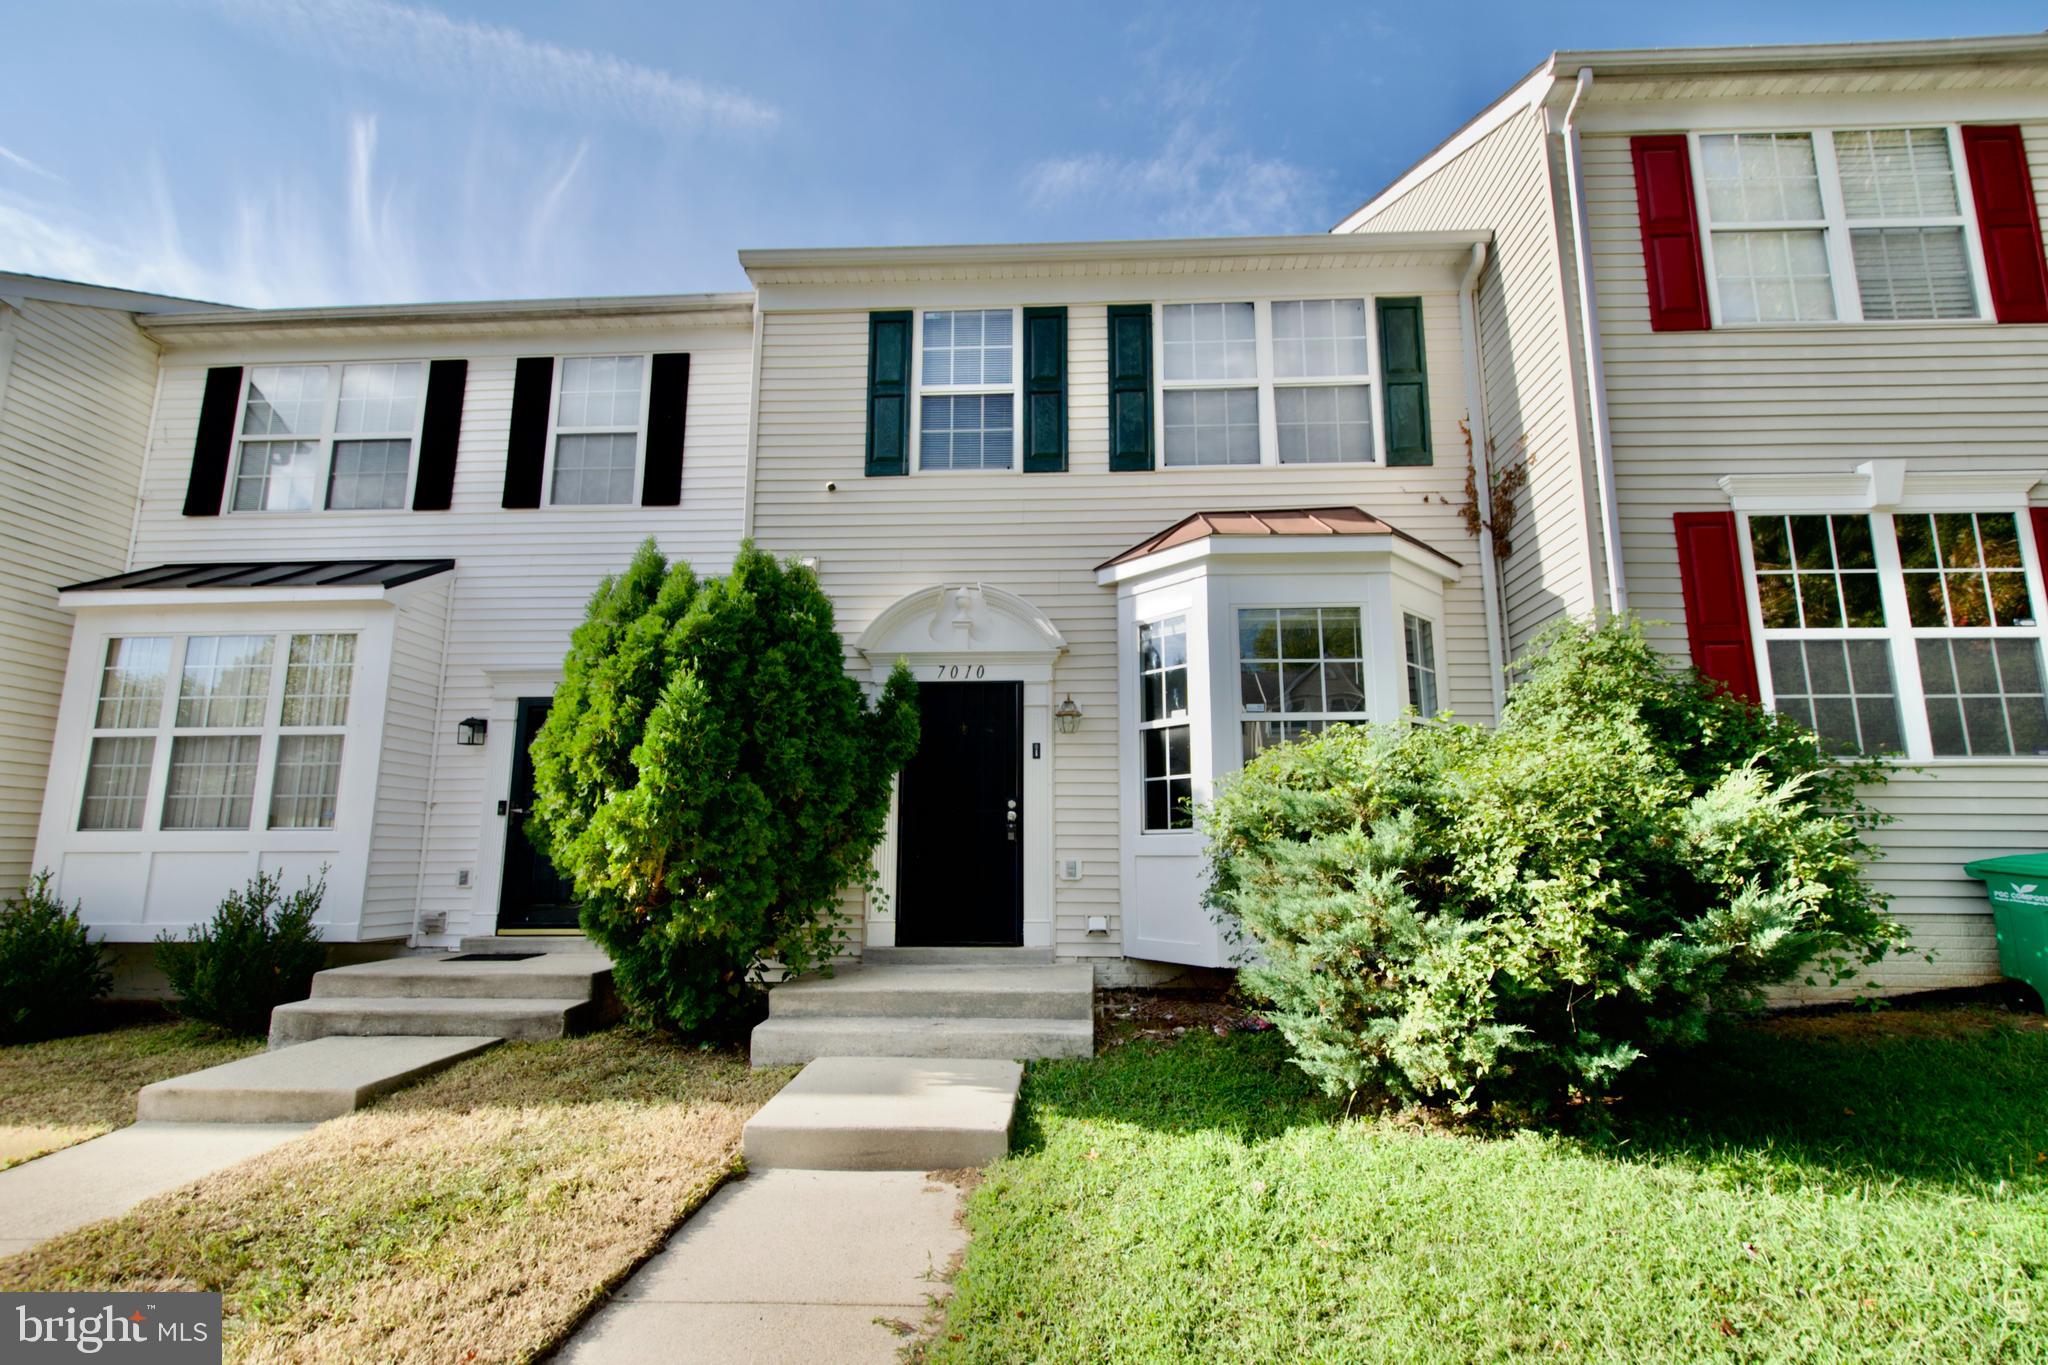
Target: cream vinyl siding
[
  {"x": 1527, "y": 360},
  {"x": 75, "y": 390},
  {"x": 405, "y": 770},
  {"x": 1691, "y": 407},
  {"x": 521, "y": 582},
  {"x": 1041, "y": 536}
]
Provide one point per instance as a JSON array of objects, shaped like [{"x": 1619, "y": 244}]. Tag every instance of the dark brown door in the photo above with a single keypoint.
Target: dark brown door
[
  {"x": 960, "y": 824},
  {"x": 531, "y": 897}
]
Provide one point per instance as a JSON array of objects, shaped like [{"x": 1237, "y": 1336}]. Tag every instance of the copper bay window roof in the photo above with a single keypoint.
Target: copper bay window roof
[{"x": 1295, "y": 521}]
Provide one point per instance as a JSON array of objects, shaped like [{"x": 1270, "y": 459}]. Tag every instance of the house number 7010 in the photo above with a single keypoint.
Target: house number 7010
[{"x": 956, "y": 672}]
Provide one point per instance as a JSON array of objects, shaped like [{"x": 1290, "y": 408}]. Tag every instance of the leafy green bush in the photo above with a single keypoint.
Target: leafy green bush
[
  {"x": 710, "y": 777},
  {"x": 51, "y": 970},
  {"x": 1458, "y": 915},
  {"x": 260, "y": 951}
]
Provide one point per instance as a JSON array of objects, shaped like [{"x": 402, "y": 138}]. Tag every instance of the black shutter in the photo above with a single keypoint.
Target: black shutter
[
  {"x": 1405, "y": 378},
  {"x": 215, "y": 442},
  {"x": 1130, "y": 386},
  {"x": 888, "y": 394},
  {"x": 1045, "y": 390},
  {"x": 440, "y": 432},
  {"x": 526, "y": 446},
  {"x": 667, "y": 402}
]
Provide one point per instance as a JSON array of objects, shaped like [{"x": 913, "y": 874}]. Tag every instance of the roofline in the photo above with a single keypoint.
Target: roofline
[
  {"x": 1545, "y": 83},
  {"x": 1160, "y": 248},
  {"x": 51, "y": 289},
  {"x": 449, "y": 314}
]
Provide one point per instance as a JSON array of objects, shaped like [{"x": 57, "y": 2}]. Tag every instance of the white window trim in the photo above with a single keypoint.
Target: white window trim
[
  {"x": 166, "y": 731},
  {"x": 1899, "y": 634},
  {"x": 1184, "y": 719},
  {"x": 1015, "y": 388},
  {"x": 1323, "y": 718},
  {"x": 1834, "y": 227},
  {"x": 327, "y": 437},
  {"x": 1266, "y": 383},
  {"x": 1436, "y": 644},
  {"x": 638, "y": 431}
]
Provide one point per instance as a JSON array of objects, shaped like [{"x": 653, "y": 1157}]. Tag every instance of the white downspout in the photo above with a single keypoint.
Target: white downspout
[
  {"x": 1596, "y": 365},
  {"x": 1482, "y": 476}
]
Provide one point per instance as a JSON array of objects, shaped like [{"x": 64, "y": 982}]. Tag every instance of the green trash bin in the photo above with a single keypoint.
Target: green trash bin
[{"x": 2019, "y": 908}]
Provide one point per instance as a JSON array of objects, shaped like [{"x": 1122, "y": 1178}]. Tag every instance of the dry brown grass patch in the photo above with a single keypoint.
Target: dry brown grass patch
[{"x": 476, "y": 1217}]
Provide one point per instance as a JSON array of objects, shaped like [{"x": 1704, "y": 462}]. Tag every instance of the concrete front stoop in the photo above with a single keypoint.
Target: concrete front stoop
[
  {"x": 950, "y": 1010},
  {"x": 554, "y": 993},
  {"x": 322, "y": 1079},
  {"x": 887, "y": 1114}
]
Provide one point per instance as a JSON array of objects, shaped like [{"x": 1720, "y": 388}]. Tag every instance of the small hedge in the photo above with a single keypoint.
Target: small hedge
[
  {"x": 259, "y": 951},
  {"x": 1455, "y": 915},
  {"x": 51, "y": 969}
]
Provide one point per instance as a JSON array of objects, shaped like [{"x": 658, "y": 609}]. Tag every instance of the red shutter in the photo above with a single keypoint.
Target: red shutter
[
  {"x": 2008, "y": 222},
  {"x": 1716, "y": 609},
  {"x": 2040, "y": 535},
  {"x": 1671, "y": 234}
]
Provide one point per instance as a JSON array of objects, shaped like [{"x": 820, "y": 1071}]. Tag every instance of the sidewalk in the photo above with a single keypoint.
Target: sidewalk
[
  {"x": 110, "y": 1175},
  {"x": 795, "y": 1266}
]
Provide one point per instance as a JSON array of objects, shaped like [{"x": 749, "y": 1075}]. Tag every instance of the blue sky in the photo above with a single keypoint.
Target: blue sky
[{"x": 277, "y": 152}]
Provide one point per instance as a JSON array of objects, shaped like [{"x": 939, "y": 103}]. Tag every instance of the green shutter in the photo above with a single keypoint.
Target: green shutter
[
  {"x": 888, "y": 393},
  {"x": 1045, "y": 390},
  {"x": 1404, "y": 379},
  {"x": 1130, "y": 386}
]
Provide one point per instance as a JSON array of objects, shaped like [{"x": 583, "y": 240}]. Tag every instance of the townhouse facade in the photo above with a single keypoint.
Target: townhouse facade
[
  {"x": 1749, "y": 342},
  {"x": 1767, "y": 340}
]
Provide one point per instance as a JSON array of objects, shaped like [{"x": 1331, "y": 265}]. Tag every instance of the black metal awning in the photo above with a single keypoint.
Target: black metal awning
[{"x": 299, "y": 573}]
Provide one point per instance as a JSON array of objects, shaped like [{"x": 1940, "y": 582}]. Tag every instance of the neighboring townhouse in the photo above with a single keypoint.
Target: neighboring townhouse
[
  {"x": 1130, "y": 511},
  {"x": 77, "y": 379},
  {"x": 1808, "y": 424},
  {"x": 365, "y": 535}
]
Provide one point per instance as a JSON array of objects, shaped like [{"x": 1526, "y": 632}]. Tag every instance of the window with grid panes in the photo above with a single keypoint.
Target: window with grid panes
[
  {"x": 1167, "y": 766},
  {"x": 1300, "y": 669},
  {"x": 334, "y": 436}
]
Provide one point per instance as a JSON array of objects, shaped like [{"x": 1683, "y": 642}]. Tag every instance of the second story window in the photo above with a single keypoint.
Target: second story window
[
  {"x": 1287, "y": 382},
  {"x": 334, "y": 436},
  {"x": 967, "y": 389},
  {"x": 1847, "y": 224},
  {"x": 594, "y": 457}
]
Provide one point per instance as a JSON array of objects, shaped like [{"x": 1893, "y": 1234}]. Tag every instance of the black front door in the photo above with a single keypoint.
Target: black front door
[
  {"x": 531, "y": 897},
  {"x": 960, "y": 861}
]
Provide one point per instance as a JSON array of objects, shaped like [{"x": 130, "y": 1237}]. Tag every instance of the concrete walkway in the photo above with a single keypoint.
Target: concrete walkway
[
  {"x": 795, "y": 1266},
  {"x": 110, "y": 1175}
]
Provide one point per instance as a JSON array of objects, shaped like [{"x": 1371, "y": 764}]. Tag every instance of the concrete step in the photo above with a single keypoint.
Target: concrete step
[
  {"x": 352, "y": 1017},
  {"x": 788, "y": 1041},
  {"x": 887, "y": 1114},
  {"x": 512, "y": 945},
  {"x": 868, "y": 991},
  {"x": 552, "y": 976},
  {"x": 958, "y": 957},
  {"x": 323, "y": 1079}
]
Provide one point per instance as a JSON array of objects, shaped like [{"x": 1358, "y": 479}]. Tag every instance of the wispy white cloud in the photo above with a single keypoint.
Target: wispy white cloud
[
  {"x": 22, "y": 163},
  {"x": 435, "y": 51},
  {"x": 1197, "y": 183},
  {"x": 354, "y": 234}
]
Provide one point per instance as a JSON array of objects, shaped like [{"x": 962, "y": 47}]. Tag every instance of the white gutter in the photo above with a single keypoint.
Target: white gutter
[
  {"x": 1596, "y": 365},
  {"x": 1482, "y": 477}
]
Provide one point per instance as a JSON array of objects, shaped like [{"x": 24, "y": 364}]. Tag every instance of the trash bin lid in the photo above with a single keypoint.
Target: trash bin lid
[{"x": 2012, "y": 865}]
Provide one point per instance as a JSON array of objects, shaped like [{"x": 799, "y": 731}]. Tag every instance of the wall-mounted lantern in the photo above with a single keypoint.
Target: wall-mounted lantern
[
  {"x": 1067, "y": 715},
  {"x": 471, "y": 731}
]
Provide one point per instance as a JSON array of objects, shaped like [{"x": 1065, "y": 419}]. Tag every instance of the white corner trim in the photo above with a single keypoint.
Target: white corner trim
[{"x": 1881, "y": 486}]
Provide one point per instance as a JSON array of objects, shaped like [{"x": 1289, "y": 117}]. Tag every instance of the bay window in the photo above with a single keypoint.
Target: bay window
[
  {"x": 334, "y": 436},
  {"x": 1300, "y": 669},
  {"x": 230, "y": 713},
  {"x": 1164, "y": 734},
  {"x": 1901, "y": 633},
  {"x": 1418, "y": 636},
  {"x": 1860, "y": 224}
]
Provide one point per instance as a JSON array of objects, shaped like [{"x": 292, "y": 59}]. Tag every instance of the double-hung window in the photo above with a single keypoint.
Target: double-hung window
[
  {"x": 1862, "y": 224},
  {"x": 1418, "y": 636},
  {"x": 1902, "y": 633},
  {"x": 594, "y": 448},
  {"x": 224, "y": 712},
  {"x": 1167, "y": 773},
  {"x": 1300, "y": 670},
  {"x": 967, "y": 389},
  {"x": 1285, "y": 382},
  {"x": 334, "y": 436}
]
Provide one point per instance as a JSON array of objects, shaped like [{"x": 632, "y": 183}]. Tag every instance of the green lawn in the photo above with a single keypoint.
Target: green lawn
[{"x": 1867, "y": 1187}]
